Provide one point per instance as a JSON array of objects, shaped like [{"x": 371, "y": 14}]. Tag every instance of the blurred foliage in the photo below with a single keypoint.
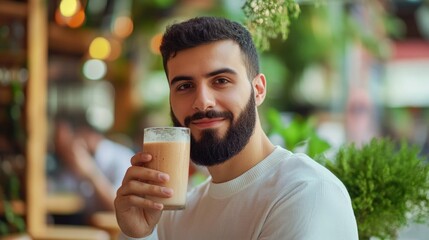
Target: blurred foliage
[
  {"x": 10, "y": 222},
  {"x": 11, "y": 160},
  {"x": 388, "y": 185},
  {"x": 322, "y": 35},
  {"x": 311, "y": 40},
  {"x": 268, "y": 19},
  {"x": 299, "y": 133},
  {"x": 146, "y": 13}
]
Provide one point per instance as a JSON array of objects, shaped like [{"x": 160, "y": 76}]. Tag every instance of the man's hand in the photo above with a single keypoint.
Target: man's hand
[{"x": 136, "y": 215}]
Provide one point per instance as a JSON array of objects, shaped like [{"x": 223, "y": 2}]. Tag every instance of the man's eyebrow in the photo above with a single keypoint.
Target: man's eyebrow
[
  {"x": 210, "y": 74},
  {"x": 180, "y": 78},
  {"x": 219, "y": 71}
]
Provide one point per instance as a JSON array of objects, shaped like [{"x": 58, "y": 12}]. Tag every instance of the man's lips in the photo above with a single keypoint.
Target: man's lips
[{"x": 207, "y": 122}]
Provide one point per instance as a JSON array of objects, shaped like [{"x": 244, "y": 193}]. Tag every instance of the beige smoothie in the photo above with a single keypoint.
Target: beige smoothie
[{"x": 171, "y": 157}]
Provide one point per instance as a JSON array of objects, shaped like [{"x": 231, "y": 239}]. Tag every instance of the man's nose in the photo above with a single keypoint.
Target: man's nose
[{"x": 204, "y": 99}]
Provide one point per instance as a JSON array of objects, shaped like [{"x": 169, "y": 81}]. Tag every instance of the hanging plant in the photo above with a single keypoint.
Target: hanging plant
[{"x": 269, "y": 19}]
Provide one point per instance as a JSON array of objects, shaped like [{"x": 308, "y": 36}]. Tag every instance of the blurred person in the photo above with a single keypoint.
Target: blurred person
[
  {"x": 256, "y": 190},
  {"x": 92, "y": 165},
  {"x": 360, "y": 119}
]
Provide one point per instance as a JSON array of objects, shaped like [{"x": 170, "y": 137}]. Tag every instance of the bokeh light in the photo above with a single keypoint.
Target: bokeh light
[
  {"x": 123, "y": 26},
  {"x": 69, "y": 7},
  {"x": 99, "y": 48},
  {"x": 155, "y": 43},
  {"x": 60, "y": 19},
  {"x": 94, "y": 69},
  {"x": 115, "y": 50},
  {"x": 77, "y": 20},
  {"x": 72, "y": 18}
]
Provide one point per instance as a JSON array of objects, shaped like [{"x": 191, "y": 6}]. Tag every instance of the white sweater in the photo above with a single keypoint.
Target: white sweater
[{"x": 285, "y": 196}]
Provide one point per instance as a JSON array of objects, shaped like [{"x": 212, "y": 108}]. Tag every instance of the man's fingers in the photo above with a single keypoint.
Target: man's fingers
[
  {"x": 140, "y": 159},
  {"x": 144, "y": 174},
  {"x": 134, "y": 192}
]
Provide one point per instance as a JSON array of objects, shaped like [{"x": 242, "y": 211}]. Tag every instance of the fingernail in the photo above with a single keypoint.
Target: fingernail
[
  {"x": 168, "y": 191},
  {"x": 145, "y": 156},
  {"x": 158, "y": 206},
  {"x": 163, "y": 176}
]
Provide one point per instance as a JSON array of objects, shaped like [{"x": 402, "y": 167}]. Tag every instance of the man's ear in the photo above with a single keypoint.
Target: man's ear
[{"x": 259, "y": 85}]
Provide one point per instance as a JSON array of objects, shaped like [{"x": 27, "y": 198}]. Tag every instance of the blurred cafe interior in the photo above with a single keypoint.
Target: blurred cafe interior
[{"x": 355, "y": 69}]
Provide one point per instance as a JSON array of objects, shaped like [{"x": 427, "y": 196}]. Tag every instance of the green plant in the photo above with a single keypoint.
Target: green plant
[
  {"x": 10, "y": 222},
  {"x": 388, "y": 185},
  {"x": 268, "y": 19},
  {"x": 11, "y": 158},
  {"x": 299, "y": 133}
]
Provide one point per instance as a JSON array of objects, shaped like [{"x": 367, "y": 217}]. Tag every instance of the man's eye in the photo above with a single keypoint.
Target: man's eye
[
  {"x": 221, "y": 81},
  {"x": 184, "y": 86}
]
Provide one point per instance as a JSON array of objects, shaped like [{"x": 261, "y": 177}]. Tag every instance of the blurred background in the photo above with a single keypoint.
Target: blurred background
[{"x": 357, "y": 69}]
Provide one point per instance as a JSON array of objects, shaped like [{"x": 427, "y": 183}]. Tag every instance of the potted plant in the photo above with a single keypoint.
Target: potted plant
[{"x": 388, "y": 184}]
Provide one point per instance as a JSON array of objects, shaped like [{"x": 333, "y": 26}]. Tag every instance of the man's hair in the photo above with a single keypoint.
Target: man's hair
[{"x": 203, "y": 30}]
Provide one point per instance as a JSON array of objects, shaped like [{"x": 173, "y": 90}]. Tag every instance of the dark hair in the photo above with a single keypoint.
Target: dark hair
[{"x": 202, "y": 30}]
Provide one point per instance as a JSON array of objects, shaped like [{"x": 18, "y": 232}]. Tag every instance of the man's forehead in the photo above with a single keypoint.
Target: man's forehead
[{"x": 208, "y": 57}]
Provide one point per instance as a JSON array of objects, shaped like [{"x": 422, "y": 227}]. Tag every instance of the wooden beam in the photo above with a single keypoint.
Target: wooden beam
[{"x": 36, "y": 119}]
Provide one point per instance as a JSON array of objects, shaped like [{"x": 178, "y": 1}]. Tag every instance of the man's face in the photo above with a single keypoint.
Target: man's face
[{"x": 211, "y": 94}]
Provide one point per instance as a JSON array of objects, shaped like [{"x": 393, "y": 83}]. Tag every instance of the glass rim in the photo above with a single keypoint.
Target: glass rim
[{"x": 167, "y": 127}]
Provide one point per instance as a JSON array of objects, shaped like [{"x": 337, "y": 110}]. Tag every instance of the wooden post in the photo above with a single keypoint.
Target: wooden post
[{"x": 36, "y": 118}]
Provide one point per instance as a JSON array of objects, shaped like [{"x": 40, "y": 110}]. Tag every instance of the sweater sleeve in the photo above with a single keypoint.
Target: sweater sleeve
[{"x": 315, "y": 210}]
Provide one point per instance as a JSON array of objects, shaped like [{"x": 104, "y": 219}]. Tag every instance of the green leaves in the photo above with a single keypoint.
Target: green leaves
[
  {"x": 10, "y": 221},
  {"x": 299, "y": 133},
  {"x": 13, "y": 222},
  {"x": 267, "y": 19},
  {"x": 387, "y": 182}
]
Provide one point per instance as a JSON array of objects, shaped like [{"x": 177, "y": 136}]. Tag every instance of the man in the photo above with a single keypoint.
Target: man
[
  {"x": 89, "y": 164},
  {"x": 256, "y": 190}
]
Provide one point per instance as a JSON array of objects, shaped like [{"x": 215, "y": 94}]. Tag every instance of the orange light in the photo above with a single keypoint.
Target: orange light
[
  {"x": 155, "y": 43},
  {"x": 115, "y": 50},
  {"x": 59, "y": 18},
  {"x": 77, "y": 20},
  {"x": 123, "y": 26}
]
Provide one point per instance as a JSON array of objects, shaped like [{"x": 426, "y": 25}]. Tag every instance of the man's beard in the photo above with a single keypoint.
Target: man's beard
[{"x": 211, "y": 150}]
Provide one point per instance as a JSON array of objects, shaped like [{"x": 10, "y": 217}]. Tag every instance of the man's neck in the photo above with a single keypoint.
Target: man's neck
[{"x": 257, "y": 149}]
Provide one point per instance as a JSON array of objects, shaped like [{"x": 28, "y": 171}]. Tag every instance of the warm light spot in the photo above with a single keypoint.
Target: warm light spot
[
  {"x": 116, "y": 50},
  {"x": 99, "y": 48},
  {"x": 94, "y": 69},
  {"x": 155, "y": 43},
  {"x": 69, "y": 7},
  {"x": 77, "y": 20},
  {"x": 59, "y": 18},
  {"x": 123, "y": 26}
]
